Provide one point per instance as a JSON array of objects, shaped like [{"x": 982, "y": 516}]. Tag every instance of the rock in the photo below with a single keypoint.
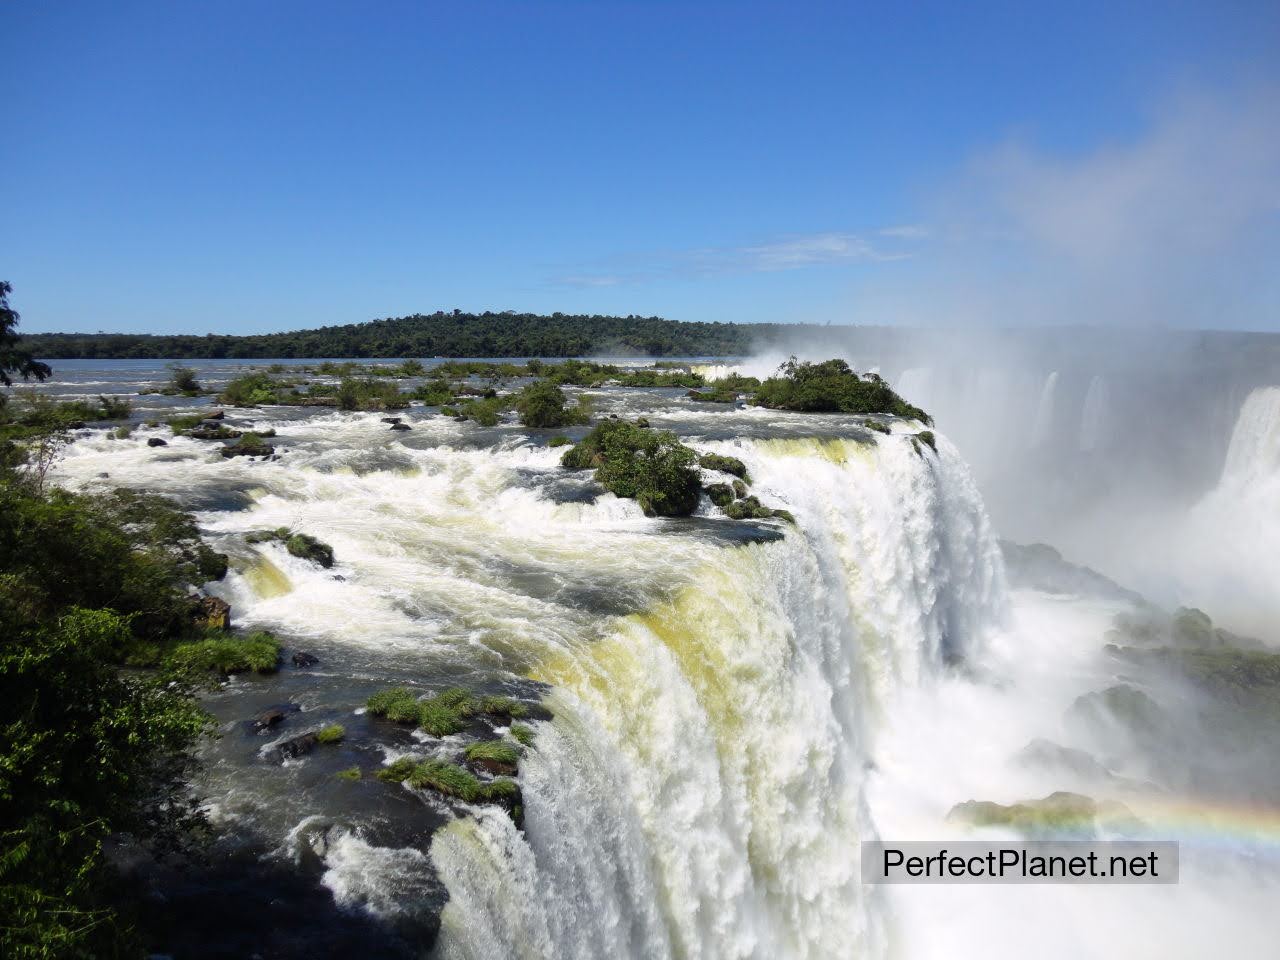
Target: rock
[
  {"x": 1058, "y": 813},
  {"x": 249, "y": 445},
  {"x": 721, "y": 494},
  {"x": 297, "y": 746},
  {"x": 156, "y": 442},
  {"x": 213, "y": 613},
  {"x": 303, "y": 659},
  {"x": 215, "y": 415},
  {"x": 212, "y": 431},
  {"x": 642, "y": 423},
  {"x": 271, "y": 716},
  {"x": 306, "y": 547},
  {"x": 401, "y": 426},
  {"x": 496, "y": 767},
  {"x": 104, "y": 474},
  {"x": 391, "y": 419}
]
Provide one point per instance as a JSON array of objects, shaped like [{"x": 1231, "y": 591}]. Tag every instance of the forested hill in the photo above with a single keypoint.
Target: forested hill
[{"x": 454, "y": 334}]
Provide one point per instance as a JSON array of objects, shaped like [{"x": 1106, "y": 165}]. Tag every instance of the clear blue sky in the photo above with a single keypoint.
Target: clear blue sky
[{"x": 255, "y": 166}]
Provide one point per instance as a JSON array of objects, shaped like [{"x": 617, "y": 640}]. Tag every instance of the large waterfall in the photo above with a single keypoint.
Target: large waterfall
[{"x": 700, "y": 792}]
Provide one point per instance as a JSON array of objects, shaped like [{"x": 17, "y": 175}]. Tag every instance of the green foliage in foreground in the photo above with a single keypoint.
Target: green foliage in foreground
[
  {"x": 543, "y": 404},
  {"x": 831, "y": 387},
  {"x": 650, "y": 466},
  {"x": 15, "y": 361},
  {"x": 87, "y": 752},
  {"x": 522, "y": 734}
]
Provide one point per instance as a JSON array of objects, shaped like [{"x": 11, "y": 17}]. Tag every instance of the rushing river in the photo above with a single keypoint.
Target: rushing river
[{"x": 725, "y": 709}]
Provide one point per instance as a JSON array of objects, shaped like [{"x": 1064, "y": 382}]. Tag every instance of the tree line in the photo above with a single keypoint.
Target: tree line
[{"x": 440, "y": 334}]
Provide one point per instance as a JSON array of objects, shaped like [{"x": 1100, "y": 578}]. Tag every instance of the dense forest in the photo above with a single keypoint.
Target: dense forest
[{"x": 439, "y": 334}]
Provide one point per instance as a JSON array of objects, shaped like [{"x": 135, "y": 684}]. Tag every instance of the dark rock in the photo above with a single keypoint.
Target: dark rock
[
  {"x": 213, "y": 613},
  {"x": 401, "y": 426},
  {"x": 297, "y": 746},
  {"x": 391, "y": 419},
  {"x": 156, "y": 442},
  {"x": 303, "y": 659},
  {"x": 212, "y": 431},
  {"x": 496, "y": 767},
  {"x": 215, "y": 415},
  {"x": 269, "y": 717},
  {"x": 104, "y": 474}
]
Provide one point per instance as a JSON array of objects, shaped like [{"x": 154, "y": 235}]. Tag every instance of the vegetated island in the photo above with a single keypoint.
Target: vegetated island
[{"x": 439, "y": 334}]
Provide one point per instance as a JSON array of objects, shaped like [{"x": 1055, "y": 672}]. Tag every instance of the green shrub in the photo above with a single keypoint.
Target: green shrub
[
  {"x": 498, "y": 751},
  {"x": 250, "y": 390},
  {"x": 333, "y": 733},
  {"x": 714, "y": 461},
  {"x": 560, "y": 441},
  {"x": 522, "y": 734},
  {"x": 450, "y": 412},
  {"x": 832, "y": 387},
  {"x": 438, "y": 718},
  {"x": 928, "y": 439},
  {"x": 435, "y": 393},
  {"x": 542, "y": 404},
  {"x": 484, "y": 412},
  {"x": 721, "y": 494},
  {"x": 184, "y": 423},
  {"x": 398, "y": 704},
  {"x": 650, "y": 466},
  {"x": 397, "y": 771},
  {"x": 183, "y": 380},
  {"x": 351, "y": 773},
  {"x": 309, "y": 548},
  {"x": 249, "y": 445},
  {"x": 227, "y": 653}
]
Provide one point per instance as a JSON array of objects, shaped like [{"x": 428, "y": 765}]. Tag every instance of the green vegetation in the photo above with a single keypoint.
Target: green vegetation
[
  {"x": 721, "y": 494},
  {"x": 251, "y": 390},
  {"x": 750, "y": 508},
  {"x": 652, "y": 467},
  {"x": 299, "y": 545},
  {"x": 522, "y": 734},
  {"x": 434, "y": 393},
  {"x": 1061, "y": 812},
  {"x": 714, "y": 461},
  {"x": 454, "y": 334},
  {"x": 542, "y": 404},
  {"x": 448, "y": 779},
  {"x": 333, "y": 733},
  {"x": 351, "y": 773},
  {"x": 726, "y": 389},
  {"x": 183, "y": 380},
  {"x": 560, "y": 441},
  {"x": 369, "y": 394},
  {"x": 89, "y": 753},
  {"x": 499, "y": 751},
  {"x": 249, "y": 445},
  {"x": 226, "y": 653},
  {"x": 443, "y": 714},
  {"x": 484, "y": 412},
  {"x": 13, "y": 359},
  {"x": 399, "y": 705},
  {"x": 831, "y": 387}
]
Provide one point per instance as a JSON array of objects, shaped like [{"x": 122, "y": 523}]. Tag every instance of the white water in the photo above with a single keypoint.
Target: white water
[
  {"x": 1229, "y": 552},
  {"x": 1093, "y": 417},
  {"x": 701, "y": 792}
]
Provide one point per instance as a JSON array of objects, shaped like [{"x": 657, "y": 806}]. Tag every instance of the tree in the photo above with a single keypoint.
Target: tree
[
  {"x": 542, "y": 404},
  {"x": 13, "y": 360}
]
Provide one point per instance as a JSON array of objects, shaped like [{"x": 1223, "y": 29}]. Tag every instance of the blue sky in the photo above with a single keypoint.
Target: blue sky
[{"x": 255, "y": 166}]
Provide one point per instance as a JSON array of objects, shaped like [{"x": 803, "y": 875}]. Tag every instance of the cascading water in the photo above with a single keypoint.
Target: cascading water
[
  {"x": 700, "y": 792},
  {"x": 1042, "y": 426}
]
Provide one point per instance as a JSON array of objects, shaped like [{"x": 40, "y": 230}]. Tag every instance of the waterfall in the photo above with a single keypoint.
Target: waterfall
[
  {"x": 916, "y": 386},
  {"x": 1093, "y": 415},
  {"x": 1042, "y": 426},
  {"x": 700, "y": 792},
  {"x": 1254, "y": 452}
]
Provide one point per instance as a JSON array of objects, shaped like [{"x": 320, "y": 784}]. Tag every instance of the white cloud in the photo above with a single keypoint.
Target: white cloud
[{"x": 788, "y": 252}]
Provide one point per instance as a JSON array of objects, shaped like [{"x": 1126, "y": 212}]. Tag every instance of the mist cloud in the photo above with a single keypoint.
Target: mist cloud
[{"x": 1178, "y": 225}]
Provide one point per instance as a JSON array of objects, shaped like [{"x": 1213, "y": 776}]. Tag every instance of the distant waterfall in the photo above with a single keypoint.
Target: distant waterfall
[
  {"x": 1042, "y": 426},
  {"x": 1254, "y": 453},
  {"x": 916, "y": 386},
  {"x": 1093, "y": 416},
  {"x": 700, "y": 793}
]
